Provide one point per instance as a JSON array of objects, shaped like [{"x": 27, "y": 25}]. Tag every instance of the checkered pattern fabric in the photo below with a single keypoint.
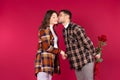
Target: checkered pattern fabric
[
  {"x": 79, "y": 47},
  {"x": 47, "y": 59}
]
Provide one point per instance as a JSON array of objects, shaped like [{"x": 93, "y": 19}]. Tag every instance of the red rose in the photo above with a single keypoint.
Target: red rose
[{"x": 102, "y": 38}]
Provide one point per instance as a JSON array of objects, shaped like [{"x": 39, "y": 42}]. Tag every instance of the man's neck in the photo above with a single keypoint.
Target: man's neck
[{"x": 66, "y": 23}]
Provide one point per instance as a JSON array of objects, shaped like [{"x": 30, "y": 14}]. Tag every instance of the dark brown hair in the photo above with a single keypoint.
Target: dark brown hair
[
  {"x": 67, "y": 12},
  {"x": 46, "y": 20}
]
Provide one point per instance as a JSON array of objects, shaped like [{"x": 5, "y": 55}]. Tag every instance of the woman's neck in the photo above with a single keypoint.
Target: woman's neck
[{"x": 51, "y": 25}]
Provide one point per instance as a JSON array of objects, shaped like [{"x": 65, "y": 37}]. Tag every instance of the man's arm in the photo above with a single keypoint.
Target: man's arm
[{"x": 81, "y": 35}]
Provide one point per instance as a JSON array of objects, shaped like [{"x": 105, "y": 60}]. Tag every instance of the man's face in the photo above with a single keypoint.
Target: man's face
[{"x": 61, "y": 17}]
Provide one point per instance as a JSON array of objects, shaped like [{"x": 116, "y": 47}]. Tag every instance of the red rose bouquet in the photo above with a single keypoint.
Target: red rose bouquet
[{"x": 101, "y": 42}]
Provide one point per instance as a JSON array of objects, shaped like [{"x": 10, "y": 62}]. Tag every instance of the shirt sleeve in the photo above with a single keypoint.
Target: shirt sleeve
[
  {"x": 81, "y": 35},
  {"x": 38, "y": 56},
  {"x": 39, "y": 50},
  {"x": 46, "y": 44},
  {"x": 52, "y": 49}
]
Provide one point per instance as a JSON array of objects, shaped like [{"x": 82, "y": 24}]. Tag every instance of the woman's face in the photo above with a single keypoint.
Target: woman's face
[{"x": 54, "y": 19}]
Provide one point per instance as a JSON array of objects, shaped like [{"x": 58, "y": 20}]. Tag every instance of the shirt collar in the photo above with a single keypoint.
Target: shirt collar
[{"x": 66, "y": 26}]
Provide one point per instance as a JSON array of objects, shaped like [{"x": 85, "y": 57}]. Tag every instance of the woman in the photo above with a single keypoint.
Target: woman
[{"x": 46, "y": 62}]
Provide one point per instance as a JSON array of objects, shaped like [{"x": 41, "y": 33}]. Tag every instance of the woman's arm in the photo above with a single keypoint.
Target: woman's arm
[
  {"x": 38, "y": 56},
  {"x": 45, "y": 37}
]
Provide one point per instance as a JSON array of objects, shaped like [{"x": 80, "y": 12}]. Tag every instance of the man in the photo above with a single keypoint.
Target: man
[{"x": 79, "y": 48}]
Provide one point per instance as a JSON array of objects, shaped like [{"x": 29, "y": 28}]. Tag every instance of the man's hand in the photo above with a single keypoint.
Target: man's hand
[{"x": 98, "y": 56}]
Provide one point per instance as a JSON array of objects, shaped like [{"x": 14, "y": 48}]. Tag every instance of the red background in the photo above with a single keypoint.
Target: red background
[{"x": 19, "y": 22}]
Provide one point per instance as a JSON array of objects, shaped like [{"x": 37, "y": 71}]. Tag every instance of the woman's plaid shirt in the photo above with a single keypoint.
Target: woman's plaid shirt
[
  {"x": 47, "y": 56},
  {"x": 79, "y": 47}
]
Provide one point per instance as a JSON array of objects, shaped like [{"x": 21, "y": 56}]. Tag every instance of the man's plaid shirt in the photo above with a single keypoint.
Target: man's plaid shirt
[
  {"x": 47, "y": 59},
  {"x": 79, "y": 47}
]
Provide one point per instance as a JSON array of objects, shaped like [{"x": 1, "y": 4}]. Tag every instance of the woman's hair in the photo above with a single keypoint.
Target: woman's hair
[{"x": 46, "y": 20}]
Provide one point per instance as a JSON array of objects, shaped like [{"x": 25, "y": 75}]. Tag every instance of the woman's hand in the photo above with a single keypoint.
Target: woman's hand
[{"x": 64, "y": 56}]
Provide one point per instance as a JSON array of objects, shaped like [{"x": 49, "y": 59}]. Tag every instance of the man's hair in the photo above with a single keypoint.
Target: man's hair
[{"x": 67, "y": 12}]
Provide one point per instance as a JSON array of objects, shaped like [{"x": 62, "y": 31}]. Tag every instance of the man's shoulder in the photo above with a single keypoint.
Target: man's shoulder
[{"x": 76, "y": 26}]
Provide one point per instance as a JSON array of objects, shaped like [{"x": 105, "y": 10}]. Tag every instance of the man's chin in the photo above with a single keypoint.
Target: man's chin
[
  {"x": 56, "y": 23},
  {"x": 59, "y": 22}
]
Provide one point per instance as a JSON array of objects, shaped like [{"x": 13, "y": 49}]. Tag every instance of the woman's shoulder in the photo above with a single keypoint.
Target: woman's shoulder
[
  {"x": 44, "y": 31},
  {"x": 41, "y": 31}
]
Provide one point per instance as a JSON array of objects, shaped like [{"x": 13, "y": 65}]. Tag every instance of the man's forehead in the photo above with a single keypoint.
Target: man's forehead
[{"x": 61, "y": 13}]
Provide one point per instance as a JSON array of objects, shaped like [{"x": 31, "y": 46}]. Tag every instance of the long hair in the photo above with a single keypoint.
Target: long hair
[{"x": 46, "y": 20}]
